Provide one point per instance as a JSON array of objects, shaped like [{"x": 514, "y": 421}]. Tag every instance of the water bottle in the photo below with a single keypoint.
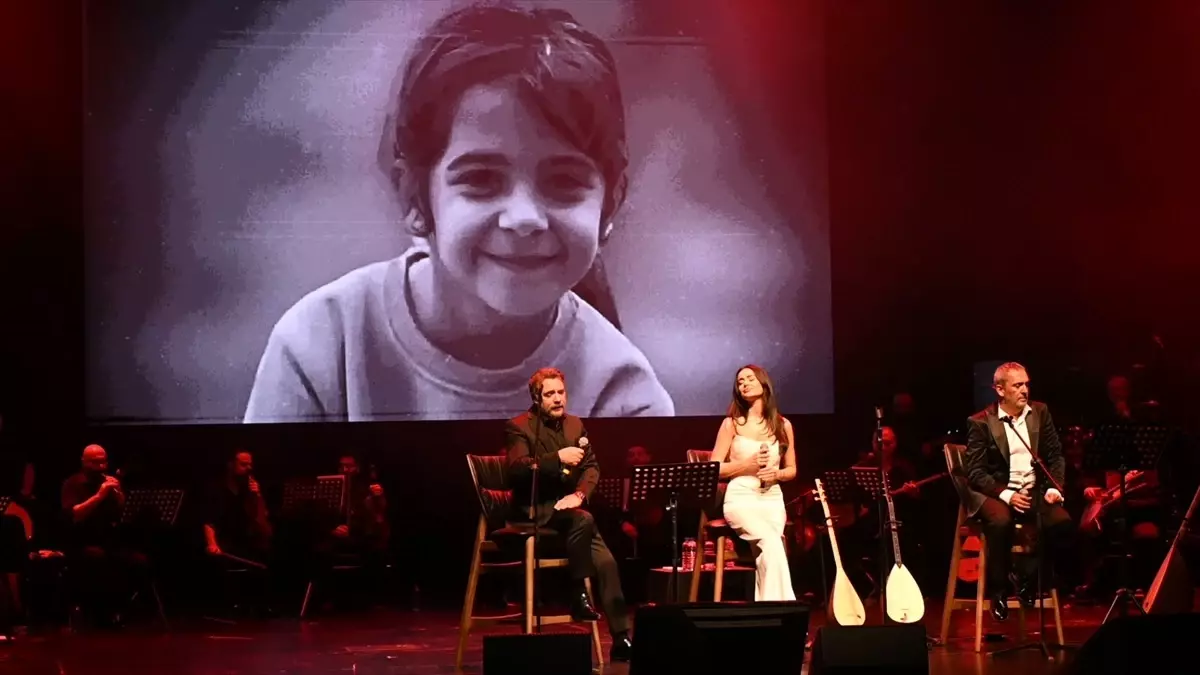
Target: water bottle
[
  {"x": 730, "y": 554},
  {"x": 689, "y": 554},
  {"x": 710, "y": 555}
]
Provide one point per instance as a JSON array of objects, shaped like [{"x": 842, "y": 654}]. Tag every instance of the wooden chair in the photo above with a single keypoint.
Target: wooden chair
[
  {"x": 498, "y": 539},
  {"x": 714, "y": 526},
  {"x": 964, "y": 528}
]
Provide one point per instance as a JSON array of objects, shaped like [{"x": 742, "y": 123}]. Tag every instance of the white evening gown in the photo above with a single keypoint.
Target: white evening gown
[{"x": 759, "y": 517}]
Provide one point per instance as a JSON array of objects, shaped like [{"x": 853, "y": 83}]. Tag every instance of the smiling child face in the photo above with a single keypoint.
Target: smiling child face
[{"x": 516, "y": 208}]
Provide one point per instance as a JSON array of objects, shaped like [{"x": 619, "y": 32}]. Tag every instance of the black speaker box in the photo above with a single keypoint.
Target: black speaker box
[
  {"x": 1162, "y": 645},
  {"x": 870, "y": 649},
  {"x": 538, "y": 654},
  {"x": 710, "y": 638}
]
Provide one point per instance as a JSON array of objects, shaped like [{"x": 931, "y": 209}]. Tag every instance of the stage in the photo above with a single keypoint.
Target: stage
[{"x": 393, "y": 642}]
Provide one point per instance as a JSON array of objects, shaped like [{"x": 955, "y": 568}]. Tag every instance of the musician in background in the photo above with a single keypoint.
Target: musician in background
[
  {"x": 16, "y": 481},
  {"x": 863, "y": 552},
  {"x": 1144, "y": 501},
  {"x": 644, "y": 526},
  {"x": 106, "y": 571},
  {"x": 1006, "y": 486},
  {"x": 547, "y": 437},
  {"x": 366, "y": 530},
  {"x": 237, "y": 522}
]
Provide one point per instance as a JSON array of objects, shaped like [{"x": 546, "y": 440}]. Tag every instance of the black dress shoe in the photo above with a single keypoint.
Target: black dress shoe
[
  {"x": 622, "y": 648},
  {"x": 582, "y": 610},
  {"x": 999, "y": 606},
  {"x": 1027, "y": 593}
]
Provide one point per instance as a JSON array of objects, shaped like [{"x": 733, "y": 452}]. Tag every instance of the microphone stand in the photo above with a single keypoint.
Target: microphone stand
[
  {"x": 1041, "y": 644},
  {"x": 884, "y": 522},
  {"x": 533, "y": 494}
]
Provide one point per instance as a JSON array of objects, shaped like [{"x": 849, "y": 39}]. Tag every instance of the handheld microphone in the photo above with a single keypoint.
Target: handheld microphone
[
  {"x": 763, "y": 451},
  {"x": 583, "y": 445}
]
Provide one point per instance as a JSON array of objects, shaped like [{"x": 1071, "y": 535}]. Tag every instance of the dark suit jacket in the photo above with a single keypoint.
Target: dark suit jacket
[
  {"x": 986, "y": 460},
  {"x": 524, "y": 448}
]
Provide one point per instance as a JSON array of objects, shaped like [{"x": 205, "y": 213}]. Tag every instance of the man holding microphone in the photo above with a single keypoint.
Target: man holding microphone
[
  {"x": 92, "y": 501},
  {"x": 556, "y": 443}
]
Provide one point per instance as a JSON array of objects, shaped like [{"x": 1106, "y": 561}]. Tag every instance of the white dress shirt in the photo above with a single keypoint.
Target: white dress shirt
[{"x": 1021, "y": 475}]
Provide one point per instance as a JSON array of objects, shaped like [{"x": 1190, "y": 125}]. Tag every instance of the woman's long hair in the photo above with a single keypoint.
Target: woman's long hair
[{"x": 739, "y": 408}]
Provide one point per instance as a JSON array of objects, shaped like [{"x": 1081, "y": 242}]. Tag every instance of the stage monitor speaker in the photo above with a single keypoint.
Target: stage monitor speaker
[
  {"x": 1162, "y": 645},
  {"x": 720, "y": 638},
  {"x": 538, "y": 654},
  {"x": 896, "y": 648}
]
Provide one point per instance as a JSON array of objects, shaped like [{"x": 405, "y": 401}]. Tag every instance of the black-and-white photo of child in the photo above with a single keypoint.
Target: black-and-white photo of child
[
  {"x": 334, "y": 210},
  {"x": 509, "y": 157}
]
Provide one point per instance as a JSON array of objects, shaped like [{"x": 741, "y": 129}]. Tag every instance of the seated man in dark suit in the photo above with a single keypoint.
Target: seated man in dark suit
[
  {"x": 1005, "y": 442},
  {"x": 547, "y": 436}
]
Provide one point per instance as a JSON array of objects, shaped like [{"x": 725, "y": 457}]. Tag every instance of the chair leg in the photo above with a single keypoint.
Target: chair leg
[
  {"x": 530, "y": 567},
  {"x": 162, "y": 614},
  {"x": 587, "y": 584},
  {"x": 464, "y": 624},
  {"x": 719, "y": 572},
  {"x": 952, "y": 577},
  {"x": 307, "y": 596},
  {"x": 980, "y": 593},
  {"x": 1057, "y": 616},
  {"x": 694, "y": 591}
]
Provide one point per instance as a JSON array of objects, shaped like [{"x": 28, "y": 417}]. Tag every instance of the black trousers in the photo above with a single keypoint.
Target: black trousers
[
  {"x": 588, "y": 556},
  {"x": 999, "y": 520},
  {"x": 107, "y": 576}
]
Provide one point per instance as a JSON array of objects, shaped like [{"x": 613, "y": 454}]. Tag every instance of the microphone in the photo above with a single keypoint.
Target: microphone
[
  {"x": 763, "y": 452},
  {"x": 583, "y": 445}
]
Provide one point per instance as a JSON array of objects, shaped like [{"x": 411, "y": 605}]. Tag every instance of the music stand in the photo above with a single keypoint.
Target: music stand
[
  {"x": 872, "y": 481},
  {"x": 152, "y": 506},
  {"x": 692, "y": 484},
  {"x": 840, "y": 488},
  {"x": 159, "y": 506},
  {"x": 1123, "y": 447},
  {"x": 323, "y": 491},
  {"x": 612, "y": 492}
]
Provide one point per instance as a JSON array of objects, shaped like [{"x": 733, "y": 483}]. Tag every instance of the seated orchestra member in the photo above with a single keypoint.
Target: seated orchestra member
[
  {"x": 757, "y": 451},
  {"x": 645, "y": 531},
  {"x": 16, "y": 481},
  {"x": 901, "y": 480},
  {"x": 1006, "y": 484},
  {"x": 547, "y": 436},
  {"x": 366, "y": 530},
  {"x": 1143, "y": 494},
  {"x": 92, "y": 502},
  {"x": 237, "y": 523}
]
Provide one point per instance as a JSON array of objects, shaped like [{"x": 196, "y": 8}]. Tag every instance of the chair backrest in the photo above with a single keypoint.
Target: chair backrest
[
  {"x": 489, "y": 473},
  {"x": 713, "y": 511},
  {"x": 958, "y": 473}
]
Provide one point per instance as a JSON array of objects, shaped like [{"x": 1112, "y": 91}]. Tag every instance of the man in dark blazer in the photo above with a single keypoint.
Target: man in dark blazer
[
  {"x": 547, "y": 437},
  {"x": 1004, "y": 442}
]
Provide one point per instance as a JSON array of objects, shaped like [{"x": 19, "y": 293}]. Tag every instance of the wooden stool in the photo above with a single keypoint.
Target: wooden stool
[
  {"x": 966, "y": 528},
  {"x": 488, "y": 473}
]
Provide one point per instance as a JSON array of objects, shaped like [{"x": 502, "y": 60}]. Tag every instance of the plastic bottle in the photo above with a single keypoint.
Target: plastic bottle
[{"x": 689, "y": 554}]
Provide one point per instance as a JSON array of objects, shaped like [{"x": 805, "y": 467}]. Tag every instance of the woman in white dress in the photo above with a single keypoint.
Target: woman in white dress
[{"x": 756, "y": 449}]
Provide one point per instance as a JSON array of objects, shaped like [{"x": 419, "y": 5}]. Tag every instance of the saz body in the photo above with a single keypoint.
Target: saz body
[
  {"x": 903, "y": 598},
  {"x": 846, "y": 605}
]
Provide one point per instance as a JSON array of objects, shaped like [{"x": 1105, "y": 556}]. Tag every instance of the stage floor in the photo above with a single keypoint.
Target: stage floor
[{"x": 392, "y": 642}]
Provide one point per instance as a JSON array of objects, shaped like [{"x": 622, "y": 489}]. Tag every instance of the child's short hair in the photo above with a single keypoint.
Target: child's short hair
[{"x": 565, "y": 71}]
